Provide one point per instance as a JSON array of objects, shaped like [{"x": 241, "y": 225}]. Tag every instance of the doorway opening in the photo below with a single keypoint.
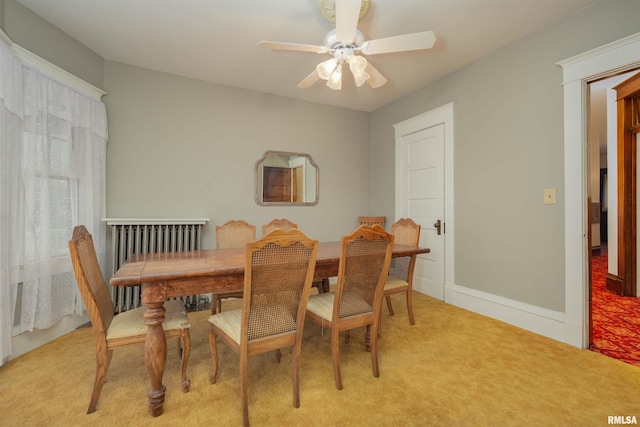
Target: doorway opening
[
  {"x": 615, "y": 57},
  {"x": 614, "y": 320}
]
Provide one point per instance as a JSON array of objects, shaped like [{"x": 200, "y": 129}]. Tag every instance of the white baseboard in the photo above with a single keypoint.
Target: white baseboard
[{"x": 539, "y": 320}]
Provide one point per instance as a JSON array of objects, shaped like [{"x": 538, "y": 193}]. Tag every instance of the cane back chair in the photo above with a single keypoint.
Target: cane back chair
[
  {"x": 365, "y": 256},
  {"x": 372, "y": 220},
  {"x": 117, "y": 330},
  {"x": 232, "y": 234},
  {"x": 406, "y": 232},
  {"x": 279, "y": 270}
]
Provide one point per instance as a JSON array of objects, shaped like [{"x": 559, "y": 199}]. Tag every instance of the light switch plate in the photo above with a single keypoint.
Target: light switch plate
[{"x": 549, "y": 196}]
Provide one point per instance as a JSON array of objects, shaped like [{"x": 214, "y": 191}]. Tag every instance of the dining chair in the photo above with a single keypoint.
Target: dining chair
[
  {"x": 406, "y": 232},
  {"x": 372, "y": 220},
  {"x": 283, "y": 224},
  {"x": 117, "y": 330},
  {"x": 277, "y": 279},
  {"x": 365, "y": 256},
  {"x": 232, "y": 234}
]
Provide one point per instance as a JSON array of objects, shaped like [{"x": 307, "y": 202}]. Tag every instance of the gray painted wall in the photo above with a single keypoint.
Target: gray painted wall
[
  {"x": 181, "y": 148},
  {"x": 2, "y": 5},
  {"x": 48, "y": 42},
  {"x": 509, "y": 139}
]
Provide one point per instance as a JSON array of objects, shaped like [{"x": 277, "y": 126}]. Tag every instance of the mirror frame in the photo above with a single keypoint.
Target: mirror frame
[{"x": 258, "y": 191}]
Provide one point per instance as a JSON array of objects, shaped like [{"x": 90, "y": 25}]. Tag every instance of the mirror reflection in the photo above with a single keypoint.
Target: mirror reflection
[{"x": 284, "y": 178}]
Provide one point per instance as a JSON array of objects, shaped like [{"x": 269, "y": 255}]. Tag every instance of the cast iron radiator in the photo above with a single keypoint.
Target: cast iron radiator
[{"x": 133, "y": 236}]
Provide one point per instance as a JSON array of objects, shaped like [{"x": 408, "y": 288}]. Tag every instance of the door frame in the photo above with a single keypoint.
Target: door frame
[
  {"x": 616, "y": 57},
  {"x": 441, "y": 115}
]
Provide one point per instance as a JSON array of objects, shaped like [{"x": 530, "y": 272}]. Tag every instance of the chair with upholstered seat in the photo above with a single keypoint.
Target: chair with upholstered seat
[
  {"x": 116, "y": 330},
  {"x": 365, "y": 256},
  {"x": 406, "y": 232},
  {"x": 282, "y": 224},
  {"x": 232, "y": 234},
  {"x": 372, "y": 220},
  {"x": 278, "y": 273}
]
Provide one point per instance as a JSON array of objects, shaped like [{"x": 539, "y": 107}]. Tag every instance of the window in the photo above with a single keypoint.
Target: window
[{"x": 53, "y": 153}]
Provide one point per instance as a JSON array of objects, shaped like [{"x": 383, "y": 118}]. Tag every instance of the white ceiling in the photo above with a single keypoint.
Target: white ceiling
[{"x": 216, "y": 40}]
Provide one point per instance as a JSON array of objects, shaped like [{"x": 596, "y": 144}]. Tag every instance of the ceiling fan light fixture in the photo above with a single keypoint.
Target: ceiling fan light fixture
[
  {"x": 335, "y": 81},
  {"x": 358, "y": 64},
  {"x": 361, "y": 78},
  {"x": 327, "y": 67},
  {"x": 347, "y": 44}
]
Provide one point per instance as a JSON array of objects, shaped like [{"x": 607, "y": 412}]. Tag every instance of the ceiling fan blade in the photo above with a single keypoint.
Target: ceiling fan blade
[
  {"x": 377, "y": 79},
  {"x": 309, "y": 80},
  {"x": 347, "y": 15},
  {"x": 414, "y": 41},
  {"x": 293, "y": 46}
]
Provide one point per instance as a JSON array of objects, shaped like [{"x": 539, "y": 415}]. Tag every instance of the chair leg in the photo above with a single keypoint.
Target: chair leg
[
  {"x": 335, "y": 356},
  {"x": 244, "y": 379},
  {"x": 410, "y": 306},
  {"x": 367, "y": 338},
  {"x": 374, "y": 351},
  {"x": 216, "y": 304},
  {"x": 102, "y": 366},
  {"x": 185, "y": 341},
  {"x": 347, "y": 336},
  {"x": 278, "y": 355},
  {"x": 389, "y": 306},
  {"x": 296, "y": 377},
  {"x": 214, "y": 357}
]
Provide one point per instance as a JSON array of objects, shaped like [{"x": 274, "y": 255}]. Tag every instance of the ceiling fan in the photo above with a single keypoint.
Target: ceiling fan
[{"x": 346, "y": 44}]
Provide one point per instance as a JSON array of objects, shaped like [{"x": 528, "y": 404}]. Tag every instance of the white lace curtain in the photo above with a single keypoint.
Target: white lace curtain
[{"x": 52, "y": 177}]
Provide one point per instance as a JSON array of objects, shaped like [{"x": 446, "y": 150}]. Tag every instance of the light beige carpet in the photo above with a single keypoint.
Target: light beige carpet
[{"x": 453, "y": 368}]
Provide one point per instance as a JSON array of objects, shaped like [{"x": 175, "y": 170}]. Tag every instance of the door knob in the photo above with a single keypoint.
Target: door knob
[{"x": 438, "y": 226}]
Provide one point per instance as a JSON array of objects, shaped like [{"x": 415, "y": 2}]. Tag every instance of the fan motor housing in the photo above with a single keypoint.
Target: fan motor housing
[{"x": 331, "y": 40}]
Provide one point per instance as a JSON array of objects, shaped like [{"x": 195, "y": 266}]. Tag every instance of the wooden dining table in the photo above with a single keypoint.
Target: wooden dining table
[{"x": 167, "y": 275}]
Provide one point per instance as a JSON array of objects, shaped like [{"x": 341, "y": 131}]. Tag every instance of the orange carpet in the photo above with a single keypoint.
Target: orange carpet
[{"x": 616, "y": 319}]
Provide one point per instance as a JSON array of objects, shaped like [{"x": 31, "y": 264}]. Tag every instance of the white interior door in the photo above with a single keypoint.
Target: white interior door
[{"x": 420, "y": 196}]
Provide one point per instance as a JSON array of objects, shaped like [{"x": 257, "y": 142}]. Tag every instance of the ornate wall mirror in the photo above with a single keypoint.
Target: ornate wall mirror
[{"x": 286, "y": 179}]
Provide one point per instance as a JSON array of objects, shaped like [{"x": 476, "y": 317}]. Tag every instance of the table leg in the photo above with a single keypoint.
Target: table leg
[{"x": 155, "y": 354}]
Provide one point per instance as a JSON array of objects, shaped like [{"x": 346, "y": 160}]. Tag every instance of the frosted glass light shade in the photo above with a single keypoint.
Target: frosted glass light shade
[
  {"x": 361, "y": 78},
  {"x": 335, "y": 81},
  {"x": 357, "y": 64},
  {"x": 326, "y": 68}
]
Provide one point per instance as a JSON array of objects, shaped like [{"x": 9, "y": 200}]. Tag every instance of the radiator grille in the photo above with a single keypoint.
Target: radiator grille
[{"x": 151, "y": 236}]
